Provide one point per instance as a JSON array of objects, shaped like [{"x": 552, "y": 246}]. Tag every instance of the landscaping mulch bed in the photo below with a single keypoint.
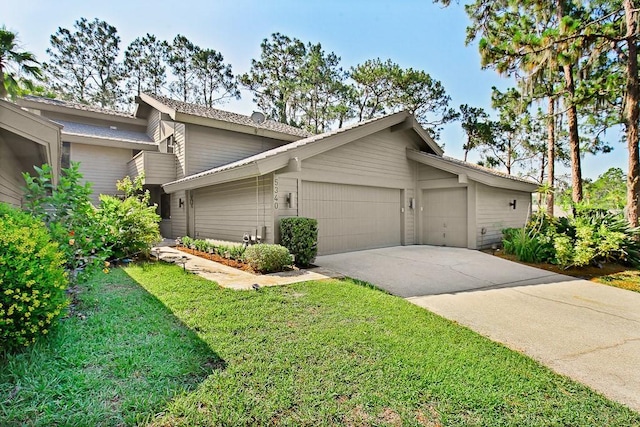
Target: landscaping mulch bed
[
  {"x": 219, "y": 259},
  {"x": 589, "y": 272}
]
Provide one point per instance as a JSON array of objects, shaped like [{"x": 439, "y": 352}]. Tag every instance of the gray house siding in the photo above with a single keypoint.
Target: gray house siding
[
  {"x": 102, "y": 166},
  {"x": 11, "y": 181},
  {"x": 153, "y": 125},
  {"x": 227, "y": 211},
  {"x": 359, "y": 193},
  {"x": 158, "y": 167},
  {"x": 494, "y": 213},
  {"x": 209, "y": 148},
  {"x": 180, "y": 149}
]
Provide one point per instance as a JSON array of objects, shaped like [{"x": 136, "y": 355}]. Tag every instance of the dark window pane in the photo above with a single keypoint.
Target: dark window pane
[
  {"x": 65, "y": 156},
  {"x": 165, "y": 206}
]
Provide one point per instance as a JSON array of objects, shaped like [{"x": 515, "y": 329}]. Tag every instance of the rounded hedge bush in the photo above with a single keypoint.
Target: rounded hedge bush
[
  {"x": 300, "y": 236},
  {"x": 267, "y": 258},
  {"x": 32, "y": 279}
]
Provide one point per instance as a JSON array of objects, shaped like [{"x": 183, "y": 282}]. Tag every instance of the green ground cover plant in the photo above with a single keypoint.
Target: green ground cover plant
[{"x": 162, "y": 347}]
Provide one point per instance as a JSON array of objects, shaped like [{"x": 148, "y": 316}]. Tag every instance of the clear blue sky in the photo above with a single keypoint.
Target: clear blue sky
[{"x": 412, "y": 33}]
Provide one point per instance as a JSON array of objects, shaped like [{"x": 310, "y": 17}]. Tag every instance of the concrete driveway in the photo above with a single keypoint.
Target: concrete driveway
[
  {"x": 586, "y": 331},
  {"x": 409, "y": 271}
]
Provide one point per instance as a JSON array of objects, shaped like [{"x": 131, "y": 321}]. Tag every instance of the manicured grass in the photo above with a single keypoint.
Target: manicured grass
[
  {"x": 119, "y": 366},
  {"x": 318, "y": 353},
  {"x": 628, "y": 279}
]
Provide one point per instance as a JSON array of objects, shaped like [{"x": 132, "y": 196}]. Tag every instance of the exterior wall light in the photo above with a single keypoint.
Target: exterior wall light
[{"x": 513, "y": 204}]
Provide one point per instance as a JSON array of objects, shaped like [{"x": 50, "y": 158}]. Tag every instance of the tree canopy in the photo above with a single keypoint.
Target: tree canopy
[{"x": 17, "y": 67}]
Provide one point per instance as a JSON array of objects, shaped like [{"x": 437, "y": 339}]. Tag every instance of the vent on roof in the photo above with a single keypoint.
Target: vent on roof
[
  {"x": 113, "y": 127},
  {"x": 258, "y": 117}
]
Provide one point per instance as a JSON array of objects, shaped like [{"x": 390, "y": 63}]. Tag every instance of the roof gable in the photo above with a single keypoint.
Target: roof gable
[
  {"x": 213, "y": 117},
  {"x": 477, "y": 173},
  {"x": 290, "y": 155}
]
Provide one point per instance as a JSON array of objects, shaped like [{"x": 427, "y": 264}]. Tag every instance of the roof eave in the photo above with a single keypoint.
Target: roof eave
[
  {"x": 235, "y": 127},
  {"x": 473, "y": 174},
  {"x": 426, "y": 137},
  {"x": 35, "y": 105},
  {"x": 280, "y": 160},
  {"x": 108, "y": 142},
  {"x": 163, "y": 108},
  {"x": 249, "y": 170}
]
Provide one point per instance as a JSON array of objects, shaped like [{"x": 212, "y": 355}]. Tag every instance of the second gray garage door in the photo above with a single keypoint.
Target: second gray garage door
[
  {"x": 352, "y": 217},
  {"x": 444, "y": 219}
]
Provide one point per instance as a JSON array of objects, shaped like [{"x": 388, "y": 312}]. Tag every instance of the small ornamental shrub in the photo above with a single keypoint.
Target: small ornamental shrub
[
  {"x": 267, "y": 258},
  {"x": 186, "y": 241},
  {"x": 32, "y": 279},
  {"x": 131, "y": 224},
  {"x": 300, "y": 236}
]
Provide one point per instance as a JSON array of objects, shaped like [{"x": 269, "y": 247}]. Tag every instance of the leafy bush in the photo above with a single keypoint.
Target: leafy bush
[
  {"x": 32, "y": 279},
  {"x": 267, "y": 258},
  {"x": 525, "y": 245},
  {"x": 300, "y": 236},
  {"x": 592, "y": 236},
  {"x": 186, "y": 241},
  {"x": 132, "y": 225},
  {"x": 72, "y": 220},
  {"x": 202, "y": 245}
]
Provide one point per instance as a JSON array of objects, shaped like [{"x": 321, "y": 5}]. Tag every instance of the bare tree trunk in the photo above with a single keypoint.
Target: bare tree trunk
[
  {"x": 572, "y": 119},
  {"x": 574, "y": 139},
  {"x": 551, "y": 154},
  {"x": 631, "y": 114}
]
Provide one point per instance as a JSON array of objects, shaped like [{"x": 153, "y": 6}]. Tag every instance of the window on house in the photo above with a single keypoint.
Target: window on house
[
  {"x": 65, "y": 156},
  {"x": 165, "y": 206},
  {"x": 170, "y": 144}
]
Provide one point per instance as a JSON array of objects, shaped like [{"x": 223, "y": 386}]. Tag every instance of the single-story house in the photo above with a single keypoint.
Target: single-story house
[
  {"x": 216, "y": 174},
  {"x": 26, "y": 140}
]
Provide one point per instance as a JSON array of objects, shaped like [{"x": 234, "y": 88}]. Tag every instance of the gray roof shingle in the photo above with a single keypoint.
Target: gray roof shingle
[
  {"x": 72, "y": 128},
  {"x": 227, "y": 116},
  {"x": 478, "y": 168}
]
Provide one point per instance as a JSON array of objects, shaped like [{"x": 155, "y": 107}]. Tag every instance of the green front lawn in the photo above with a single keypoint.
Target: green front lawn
[{"x": 170, "y": 348}]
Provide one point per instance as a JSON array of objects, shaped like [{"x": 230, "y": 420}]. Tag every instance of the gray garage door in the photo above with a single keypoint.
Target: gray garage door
[
  {"x": 352, "y": 217},
  {"x": 444, "y": 219}
]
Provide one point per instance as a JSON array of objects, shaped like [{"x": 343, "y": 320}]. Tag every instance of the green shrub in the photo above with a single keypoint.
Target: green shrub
[
  {"x": 525, "y": 245},
  {"x": 186, "y": 241},
  {"x": 32, "y": 279},
  {"x": 267, "y": 258},
  {"x": 132, "y": 225},
  {"x": 564, "y": 252},
  {"x": 592, "y": 236},
  {"x": 72, "y": 219},
  {"x": 202, "y": 245},
  {"x": 300, "y": 236}
]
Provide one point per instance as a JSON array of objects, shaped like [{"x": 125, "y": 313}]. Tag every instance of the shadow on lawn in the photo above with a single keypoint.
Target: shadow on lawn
[{"x": 118, "y": 361}]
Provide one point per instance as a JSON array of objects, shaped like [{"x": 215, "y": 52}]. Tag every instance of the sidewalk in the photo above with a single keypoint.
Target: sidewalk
[{"x": 229, "y": 277}]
